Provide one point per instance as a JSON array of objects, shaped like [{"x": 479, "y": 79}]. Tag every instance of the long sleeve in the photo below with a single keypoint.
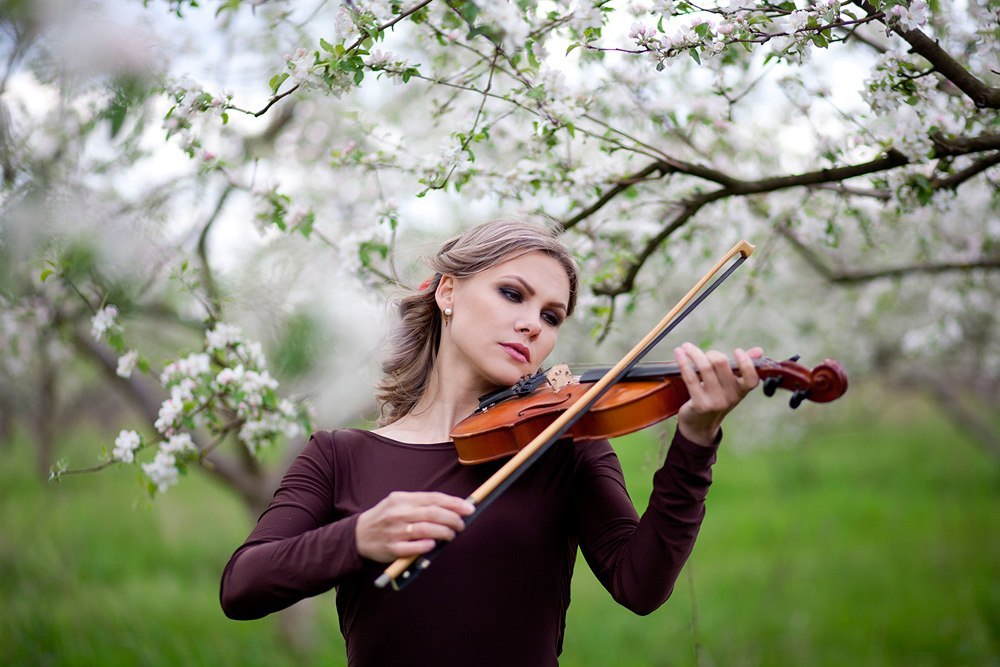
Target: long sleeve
[
  {"x": 639, "y": 560},
  {"x": 299, "y": 548}
]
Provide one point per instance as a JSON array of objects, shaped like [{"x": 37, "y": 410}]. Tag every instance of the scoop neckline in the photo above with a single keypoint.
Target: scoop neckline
[{"x": 402, "y": 443}]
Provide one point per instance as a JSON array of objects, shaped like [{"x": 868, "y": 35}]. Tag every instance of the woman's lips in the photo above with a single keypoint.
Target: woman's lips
[{"x": 517, "y": 351}]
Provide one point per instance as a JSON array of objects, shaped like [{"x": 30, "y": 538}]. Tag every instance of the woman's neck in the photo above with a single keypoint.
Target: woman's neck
[{"x": 448, "y": 399}]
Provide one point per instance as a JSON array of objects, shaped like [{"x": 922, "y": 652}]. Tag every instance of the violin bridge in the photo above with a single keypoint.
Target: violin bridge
[{"x": 558, "y": 376}]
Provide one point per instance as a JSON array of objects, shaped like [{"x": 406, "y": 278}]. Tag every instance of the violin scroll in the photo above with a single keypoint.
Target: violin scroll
[{"x": 822, "y": 384}]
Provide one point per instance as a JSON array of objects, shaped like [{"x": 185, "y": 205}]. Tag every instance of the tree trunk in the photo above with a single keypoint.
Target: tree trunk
[{"x": 45, "y": 418}]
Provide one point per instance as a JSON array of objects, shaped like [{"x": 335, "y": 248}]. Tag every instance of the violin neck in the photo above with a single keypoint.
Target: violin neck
[{"x": 658, "y": 370}]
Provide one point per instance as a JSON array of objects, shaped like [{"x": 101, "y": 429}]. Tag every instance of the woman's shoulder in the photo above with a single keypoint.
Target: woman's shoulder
[{"x": 343, "y": 437}]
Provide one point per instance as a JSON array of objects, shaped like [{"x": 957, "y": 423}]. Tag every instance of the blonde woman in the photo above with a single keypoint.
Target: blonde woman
[{"x": 356, "y": 500}]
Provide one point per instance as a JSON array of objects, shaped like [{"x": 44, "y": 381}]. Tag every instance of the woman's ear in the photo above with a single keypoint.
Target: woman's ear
[{"x": 445, "y": 293}]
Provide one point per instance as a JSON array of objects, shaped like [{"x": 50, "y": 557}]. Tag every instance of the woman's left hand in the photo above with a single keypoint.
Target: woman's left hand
[{"x": 715, "y": 389}]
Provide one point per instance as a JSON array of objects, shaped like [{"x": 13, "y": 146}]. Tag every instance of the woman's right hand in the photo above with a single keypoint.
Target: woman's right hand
[{"x": 408, "y": 523}]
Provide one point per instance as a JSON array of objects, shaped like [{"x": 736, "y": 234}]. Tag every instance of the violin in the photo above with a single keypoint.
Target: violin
[{"x": 509, "y": 419}]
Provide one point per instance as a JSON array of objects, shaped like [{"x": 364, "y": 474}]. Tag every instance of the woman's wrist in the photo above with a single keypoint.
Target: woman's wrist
[{"x": 705, "y": 437}]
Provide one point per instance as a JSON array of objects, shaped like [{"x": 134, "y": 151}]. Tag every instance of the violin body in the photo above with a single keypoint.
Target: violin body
[{"x": 648, "y": 394}]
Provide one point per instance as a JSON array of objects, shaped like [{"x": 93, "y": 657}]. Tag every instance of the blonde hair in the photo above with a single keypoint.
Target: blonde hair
[{"x": 415, "y": 338}]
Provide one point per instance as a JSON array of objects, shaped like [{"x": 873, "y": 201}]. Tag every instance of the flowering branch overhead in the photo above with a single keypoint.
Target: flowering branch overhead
[{"x": 649, "y": 133}]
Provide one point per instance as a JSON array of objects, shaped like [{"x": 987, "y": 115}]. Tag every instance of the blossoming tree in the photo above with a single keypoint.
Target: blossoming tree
[{"x": 856, "y": 142}]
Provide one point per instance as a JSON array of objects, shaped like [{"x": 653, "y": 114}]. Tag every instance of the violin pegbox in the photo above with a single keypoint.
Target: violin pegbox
[
  {"x": 822, "y": 384},
  {"x": 558, "y": 377}
]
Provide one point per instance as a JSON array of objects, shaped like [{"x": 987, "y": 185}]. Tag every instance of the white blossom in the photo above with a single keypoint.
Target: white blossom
[
  {"x": 229, "y": 376},
  {"x": 586, "y": 14},
  {"x": 103, "y": 321},
  {"x": 191, "y": 366},
  {"x": 222, "y": 336},
  {"x": 170, "y": 410},
  {"x": 343, "y": 24},
  {"x": 162, "y": 471},
  {"x": 253, "y": 352},
  {"x": 127, "y": 363},
  {"x": 663, "y": 7},
  {"x": 179, "y": 444},
  {"x": 125, "y": 445},
  {"x": 912, "y": 17},
  {"x": 507, "y": 16},
  {"x": 797, "y": 20},
  {"x": 379, "y": 59}
]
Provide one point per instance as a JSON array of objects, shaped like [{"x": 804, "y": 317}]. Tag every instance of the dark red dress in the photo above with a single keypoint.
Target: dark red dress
[{"x": 498, "y": 594}]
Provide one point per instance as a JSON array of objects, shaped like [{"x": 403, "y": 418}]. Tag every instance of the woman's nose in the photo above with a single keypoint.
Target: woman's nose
[{"x": 530, "y": 327}]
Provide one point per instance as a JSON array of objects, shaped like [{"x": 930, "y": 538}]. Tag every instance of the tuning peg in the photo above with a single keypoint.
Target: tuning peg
[
  {"x": 798, "y": 397},
  {"x": 795, "y": 358},
  {"x": 771, "y": 384}
]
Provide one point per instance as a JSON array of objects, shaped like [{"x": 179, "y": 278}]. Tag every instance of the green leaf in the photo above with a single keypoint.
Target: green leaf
[
  {"x": 230, "y": 5},
  {"x": 45, "y": 274},
  {"x": 116, "y": 341},
  {"x": 116, "y": 114},
  {"x": 571, "y": 47},
  {"x": 327, "y": 46},
  {"x": 277, "y": 80}
]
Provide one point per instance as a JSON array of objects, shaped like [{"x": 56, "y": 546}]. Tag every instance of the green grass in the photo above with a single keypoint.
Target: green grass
[
  {"x": 871, "y": 545},
  {"x": 877, "y": 543}
]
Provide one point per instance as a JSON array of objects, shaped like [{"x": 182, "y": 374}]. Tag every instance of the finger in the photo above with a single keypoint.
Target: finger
[
  {"x": 422, "y": 530},
  {"x": 436, "y": 515},
  {"x": 436, "y": 498},
  {"x": 708, "y": 366},
  {"x": 748, "y": 372},
  {"x": 688, "y": 370},
  {"x": 721, "y": 371},
  {"x": 410, "y": 548}
]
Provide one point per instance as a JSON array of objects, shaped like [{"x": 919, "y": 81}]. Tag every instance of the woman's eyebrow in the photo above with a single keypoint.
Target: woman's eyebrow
[{"x": 531, "y": 292}]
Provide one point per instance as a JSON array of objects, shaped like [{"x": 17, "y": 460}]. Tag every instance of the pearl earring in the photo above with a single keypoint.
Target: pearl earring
[{"x": 447, "y": 316}]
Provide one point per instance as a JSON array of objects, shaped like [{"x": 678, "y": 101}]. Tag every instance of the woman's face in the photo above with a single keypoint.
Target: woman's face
[{"x": 506, "y": 319}]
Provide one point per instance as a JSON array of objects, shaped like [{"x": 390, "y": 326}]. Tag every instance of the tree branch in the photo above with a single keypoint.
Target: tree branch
[
  {"x": 211, "y": 288},
  {"x": 985, "y": 97},
  {"x": 977, "y": 167},
  {"x": 246, "y": 483},
  {"x": 856, "y": 277},
  {"x": 943, "y": 147},
  {"x": 841, "y": 277},
  {"x": 278, "y": 97},
  {"x": 628, "y": 282},
  {"x": 620, "y": 186}
]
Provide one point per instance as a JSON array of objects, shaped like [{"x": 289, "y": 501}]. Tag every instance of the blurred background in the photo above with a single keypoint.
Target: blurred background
[{"x": 244, "y": 186}]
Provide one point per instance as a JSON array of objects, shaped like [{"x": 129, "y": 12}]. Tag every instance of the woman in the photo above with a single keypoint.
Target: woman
[{"x": 356, "y": 500}]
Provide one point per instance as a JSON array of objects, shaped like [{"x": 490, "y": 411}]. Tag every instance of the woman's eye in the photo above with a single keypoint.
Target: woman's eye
[
  {"x": 511, "y": 294},
  {"x": 552, "y": 319}
]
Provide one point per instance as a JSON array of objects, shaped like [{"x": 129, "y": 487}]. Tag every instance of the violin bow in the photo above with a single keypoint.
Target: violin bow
[{"x": 404, "y": 569}]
